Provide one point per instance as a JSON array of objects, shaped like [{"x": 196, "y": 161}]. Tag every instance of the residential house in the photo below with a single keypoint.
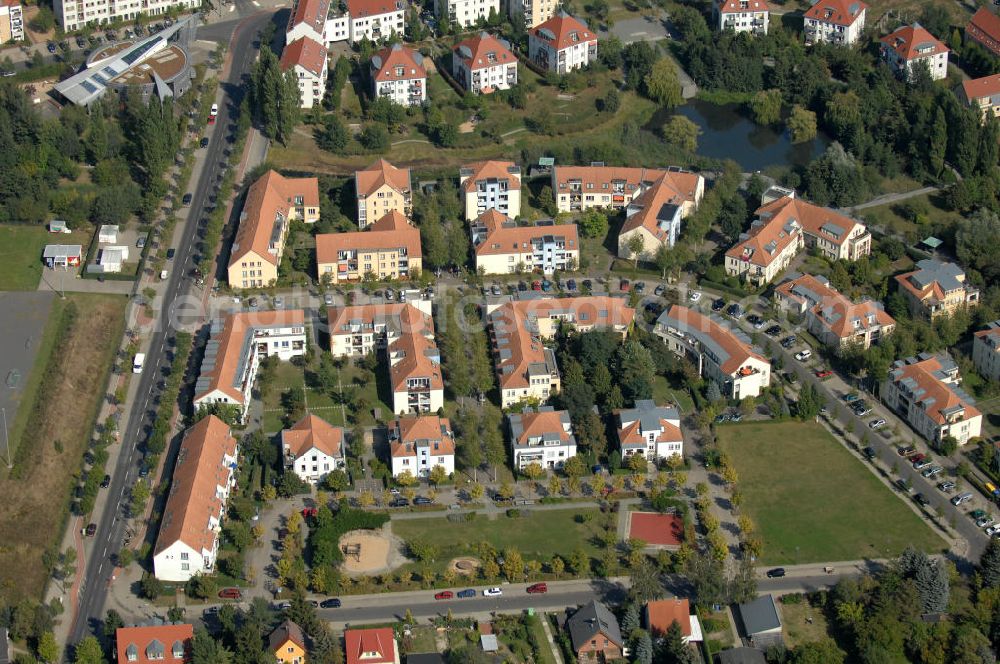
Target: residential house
[
  {"x": 388, "y": 249},
  {"x": 483, "y": 64},
  {"x": 578, "y": 188},
  {"x": 380, "y": 189},
  {"x": 750, "y": 16},
  {"x": 830, "y": 316},
  {"x": 308, "y": 19},
  {"x": 467, "y": 13},
  {"x": 535, "y": 12},
  {"x": 661, "y": 614},
  {"x": 911, "y": 45},
  {"x": 562, "y": 44},
  {"x": 984, "y": 29},
  {"x": 418, "y": 443},
  {"x": 204, "y": 474},
  {"x": 235, "y": 349},
  {"x": 986, "y": 351},
  {"x": 925, "y": 391},
  {"x": 721, "y": 353},
  {"x": 543, "y": 436},
  {"x": 741, "y": 655},
  {"x": 287, "y": 643},
  {"x": 594, "y": 633},
  {"x": 398, "y": 73},
  {"x": 502, "y": 246},
  {"x": 62, "y": 255},
  {"x": 936, "y": 288},
  {"x": 160, "y": 644},
  {"x": 838, "y": 22},
  {"x": 11, "y": 21},
  {"x": 655, "y": 214},
  {"x": 358, "y": 330},
  {"x": 650, "y": 430},
  {"x": 271, "y": 204},
  {"x": 306, "y": 59},
  {"x": 761, "y": 622},
  {"x": 491, "y": 185},
  {"x": 982, "y": 94},
  {"x": 313, "y": 448},
  {"x": 356, "y": 20},
  {"x": 415, "y": 372},
  {"x": 526, "y": 368},
  {"x": 371, "y": 646}
]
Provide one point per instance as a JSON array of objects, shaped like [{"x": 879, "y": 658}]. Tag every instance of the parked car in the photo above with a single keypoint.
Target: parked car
[
  {"x": 444, "y": 594},
  {"x": 849, "y": 398},
  {"x": 659, "y": 290},
  {"x": 546, "y": 285},
  {"x": 106, "y": 482},
  {"x": 863, "y": 410},
  {"x": 587, "y": 284},
  {"x": 538, "y": 588},
  {"x": 328, "y": 299},
  {"x": 51, "y": 47},
  {"x": 918, "y": 457},
  {"x": 495, "y": 289},
  {"x": 921, "y": 500},
  {"x": 803, "y": 355},
  {"x": 947, "y": 487},
  {"x": 993, "y": 530},
  {"x": 718, "y": 305},
  {"x": 230, "y": 593},
  {"x": 920, "y": 465},
  {"x": 186, "y": 199},
  {"x": 571, "y": 285},
  {"x": 640, "y": 287},
  {"x": 536, "y": 285},
  {"x": 788, "y": 341},
  {"x": 331, "y": 603},
  {"x": 141, "y": 242},
  {"x": 869, "y": 453},
  {"x": 90, "y": 530},
  {"x": 694, "y": 296},
  {"x": 961, "y": 499},
  {"x": 171, "y": 252},
  {"x": 283, "y": 606},
  {"x": 422, "y": 500},
  {"x": 932, "y": 471},
  {"x": 492, "y": 592},
  {"x": 81, "y": 41},
  {"x": 773, "y": 331},
  {"x": 776, "y": 573},
  {"x": 824, "y": 373},
  {"x": 210, "y": 611},
  {"x": 735, "y": 310},
  {"x": 624, "y": 285},
  {"x": 977, "y": 514},
  {"x": 756, "y": 321},
  {"x": 903, "y": 486},
  {"x": 204, "y": 142},
  {"x": 984, "y": 521},
  {"x": 468, "y": 592},
  {"x": 400, "y": 502},
  {"x": 906, "y": 451},
  {"x": 877, "y": 424}
]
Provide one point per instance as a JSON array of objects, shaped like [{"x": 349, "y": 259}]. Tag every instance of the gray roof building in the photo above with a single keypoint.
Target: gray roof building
[
  {"x": 760, "y": 617},
  {"x": 590, "y": 620}
]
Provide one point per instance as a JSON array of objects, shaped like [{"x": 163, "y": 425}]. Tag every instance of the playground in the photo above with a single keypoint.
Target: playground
[{"x": 371, "y": 552}]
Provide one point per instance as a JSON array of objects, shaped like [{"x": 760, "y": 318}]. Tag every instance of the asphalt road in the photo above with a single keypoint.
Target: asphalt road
[{"x": 111, "y": 525}]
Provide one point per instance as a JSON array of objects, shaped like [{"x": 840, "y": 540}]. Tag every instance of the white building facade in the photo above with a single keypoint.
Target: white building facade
[
  {"x": 651, "y": 431},
  {"x": 417, "y": 444},
  {"x": 544, "y": 437},
  {"x": 484, "y": 64},
  {"x": 491, "y": 185},
  {"x": 76, "y": 14},
  {"x": 750, "y": 16},
  {"x": 466, "y": 13},
  {"x": 839, "y": 22},
  {"x": 925, "y": 391},
  {"x": 562, "y": 44},
  {"x": 398, "y": 73}
]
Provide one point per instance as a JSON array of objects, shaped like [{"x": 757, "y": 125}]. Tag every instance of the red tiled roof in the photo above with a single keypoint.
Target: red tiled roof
[
  {"x": 385, "y": 62},
  {"x": 737, "y": 7},
  {"x": 562, "y": 31},
  {"x": 313, "y": 432},
  {"x": 738, "y": 352},
  {"x": 306, "y": 53},
  {"x": 414, "y": 428},
  {"x": 977, "y": 88},
  {"x": 311, "y": 12},
  {"x": 984, "y": 27},
  {"x": 411, "y": 322},
  {"x": 633, "y": 433},
  {"x": 475, "y": 52},
  {"x": 909, "y": 39},
  {"x": 370, "y": 646},
  {"x": 936, "y": 395},
  {"x": 675, "y": 188},
  {"x": 504, "y": 236},
  {"x": 593, "y": 179},
  {"x": 663, "y": 613},
  {"x": 656, "y": 529},
  {"x": 536, "y": 424},
  {"x": 483, "y": 170},
  {"x": 411, "y": 353},
  {"x": 142, "y": 637},
  {"x": 777, "y": 226},
  {"x": 836, "y": 12},
  {"x": 364, "y": 8},
  {"x": 270, "y": 195},
  {"x": 391, "y": 231},
  {"x": 381, "y": 173}
]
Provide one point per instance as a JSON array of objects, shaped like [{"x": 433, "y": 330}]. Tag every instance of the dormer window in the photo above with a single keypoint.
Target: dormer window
[{"x": 400, "y": 71}]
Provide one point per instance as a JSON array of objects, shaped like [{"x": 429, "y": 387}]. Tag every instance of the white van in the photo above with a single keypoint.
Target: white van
[
  {"x": 137, "y": 362},
  {"x": 163, "y": 275}
]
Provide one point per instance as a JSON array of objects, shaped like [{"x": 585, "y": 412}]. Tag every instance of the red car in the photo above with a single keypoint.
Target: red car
[
  {"x": 536, "y": 285},
  {"x": 825, "y": 373},
  {"x": 309, "y": 512},
  {"x": 230, "y": 593},
  {"x": 444, "y": 594},
  {"x": 917, "y": 458},
  {"x": 624, "y": 285},
  {"x": 538, "y": 588}
]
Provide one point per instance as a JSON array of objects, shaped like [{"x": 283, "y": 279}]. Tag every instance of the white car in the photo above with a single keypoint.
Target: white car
[
  {"x": 993, "y": 530},
  {"x": 803, "y": 355},
  {"x": 492, "y": 592},
  {"x": 877, "y": 424},
  {"x": 694, "y": 296}
]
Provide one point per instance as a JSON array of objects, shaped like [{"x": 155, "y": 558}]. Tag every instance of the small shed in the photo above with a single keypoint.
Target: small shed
[
  {"x": 930, "y": 243},
  {"x": 112, "y": 258},
  {"x": 58, "y": 226},
  {"x": 62, "y": 255},
  {"x": 107, "y": 234},
  {"x": 489, "y": 643}
]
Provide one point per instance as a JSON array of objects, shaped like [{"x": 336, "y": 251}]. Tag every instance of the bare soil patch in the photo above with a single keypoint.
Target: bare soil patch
[{"x": 380, "y": 551}]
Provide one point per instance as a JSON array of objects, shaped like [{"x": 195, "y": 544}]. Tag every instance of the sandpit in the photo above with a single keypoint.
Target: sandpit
[
  {"x": 380, "y": 551},
  {"x": 464, "y": 566}
]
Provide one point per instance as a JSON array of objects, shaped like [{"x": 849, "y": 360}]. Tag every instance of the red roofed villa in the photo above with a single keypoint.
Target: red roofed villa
[
  {"x": 398, "y": 73},
  {"x": 306, "y": 57},
  {"x": 562, "y": 44},
  {"x": 835, "y": 22},
  {"x": 984, "y": 29},
  {"x": 924, "y": 391},
  {"x": 751, "y": 16},
  {"x": 371, "y": 646},
  {"x": 483, "y": 64},
  {"x": 983, "y": 94},
  {"x": 903, "y": 49}
]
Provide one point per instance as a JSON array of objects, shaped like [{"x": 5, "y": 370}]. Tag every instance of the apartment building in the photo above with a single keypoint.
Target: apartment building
[
  {"x": 235, "y": 348},
  {"x": 491, "y": 185},
  {"x": 418, "y": 443},
  {"x": 721, "y": 353},
  {"x": 166, "y": 643},
  {"x": 11, "y": 21},
  {"x": 375, "y": 20},
  {"x": 313, "y": 448},
  {"x": 308, "y": 19},
  {"x": 655, "y": 214},
  {"x": 651, "y": 431},
  {"x": 984, "y": 29},
  {"x": 388, "y": 249},
  {"x": 306, "y": 58},
  {"x": 204, "y": 474},
  {"x": 356, "y": 331},
  {"x": 466, "y": 13},
  {"x": 543, "y": 436},
  {"x": 483, "y": 64},
  {"x": 272, "y": 202},
  {"x": 380, "y": 189},
  {"x": 578, "y": 188},
  {"x": 986, "y": 351},
  {"x": 562, "y": 44},
  {"x": 525, "y": 367},
  {"x": 838, "y": 22},
  {"x": 904, "y": 48},
  {"x": 77, "y": 14},
  {"x": 398, "y": 73},
  {"x": 535, "y": 12},
  {"x": 983, "y": 95},
  {"x": 936, "y": 288},
  {"x": 415, "y": 374},
  {"x": 830, "y": 316},
  {"x": 925, "y": 391},
  {"x": 503, "y": 247},
  {"x": 750, "y": 16}
]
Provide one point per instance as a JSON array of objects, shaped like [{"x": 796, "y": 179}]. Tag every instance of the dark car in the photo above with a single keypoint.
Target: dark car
[
  {"x": 186, "y": 199},
  {"x": 521, "y": 286},
  {"x": 546, "y": 285},
  {"x": 422, "y": 500},
  {"x": 773, "y": 331},
  {"x": 588, "y": 285},
  {"x": 204, "y": 142},
  {"x": 106, "y": 482},
  {"x": 869, "y": 453},
  {"x": 400, "y": 502},
  {"x": 718, "y": 305},
  {"x": 90, "y": 530},
  {"x": 81, "y": 41},
  {"x": 776, "y": 573},
  {"x": 571, "y": 285},
  {"x": 468, "y": 592},
  {"x": 788, "y": 341},
  {"x": 51, "y": 47},
  {"x": 906, "y": 451},
  {"x": 332, "y": 603},
  {"x": 735, "y": 310},
  {"x": 921, "y": 500},
  {"x": 170, "y": 254},
  {"x": 640, "y": 287}
]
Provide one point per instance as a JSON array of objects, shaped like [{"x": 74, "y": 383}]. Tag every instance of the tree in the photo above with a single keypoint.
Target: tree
[
  {"x": 645, "y": 582},
  {"x": 275, "y": 96},
  {"x": 801, "y": 124},
  {"x": 662, "y": 84},
  {"x": 975, "y": 243},
  {"x": 151, "y": 587},
  {"x": 712, "y": 392},
  {"x": 374, "y": 138},
  {"x": 674, "y": 647},
  {"x": 932, "y": 584},
  {"x": 937, "y": 145},
  {"x": 824, "y": 651},
  {"x": 593, "y": 223},
  {"x": 733, "y": 216},
  {"x": 681, "y": 132},
  {"x": 989, "y": 565},
  {"x": 205, "y": 649},
  {"x": 765, "y": 107},
  {"x": 643, "y": 648},
  {"x": 112, "y": 622},
  {"x": 611, "y": 102},
  {"x": 513, "y": 564},
  {"x": 333, "y": 136},
  {"x": 533, "y": 471},
  {"x": 48, "y": 649},
  {"x": 88, "y": 651},
  {"x": 337, "y": 480}
]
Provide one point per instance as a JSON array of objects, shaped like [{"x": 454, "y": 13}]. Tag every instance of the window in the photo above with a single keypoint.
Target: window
[{"x": 184, "y": 556}]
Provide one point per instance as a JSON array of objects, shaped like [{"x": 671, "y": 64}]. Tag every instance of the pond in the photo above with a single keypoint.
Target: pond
[{"x": 727, "y": 133}]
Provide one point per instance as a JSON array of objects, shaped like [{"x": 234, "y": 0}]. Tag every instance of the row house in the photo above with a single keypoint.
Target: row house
[
  {"x": 578, "y": 188},
  {"x": 356, "y": 20},
  {"x": 234, "y": 351},
  {"x": 491, "y": 185},
  {"x": 984, "y": 29},
  {"x": 358, "y": 330},
  {"x": 925, "y": 391},
  {"x": 830, "y": 316},
  {"x": 380, "y": 189},
  {"x": 167, "y": 643},
  {"x": 936, "y": 288},
  {"x": 313, "y": 448},
  {"x": 466, "y": 13},
  {"x": 562, "y": 44},
  {"x": 986, "y": 351},
  {"x": 398, "y": 73},
  {"x": 838, "y": 22},
  {"x": 388, "y": 249},
  {"x": 271, "y": 204},
  {"x": 543, "y": 436},
  {"x": 720, "y": 353},
  {"x": 306, "y": 59},
  {"x": 204, "y": 474},
  {"x": 750, "y": 16},
  {"x": 484, "y": 64},
  {"x": 418, "y": 443},
  {"x": 503, "y": 247},
  {"x": 982, "y": 95},
  {"x": 651, "y": 431},
  {"x": 910, "y": 45},
  {"x": 655, "y": 214}
]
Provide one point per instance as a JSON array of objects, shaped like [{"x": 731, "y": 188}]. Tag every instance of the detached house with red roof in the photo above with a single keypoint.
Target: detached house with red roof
[
  {"x": 204, "y": 474},
  {"x": 838, "y": 22},
  {"x": 651, "y": 431},
  {"x": 159, "y": 644},
  {"x": 483, "y": 64},
  {"x": 380, "y": 189},
  {"x": 419, "y": 443},
  {"x": 721, "y": 353},
  {"x": 655, "y": 214},
  {"x": 925, "y": 391},
  {"x": 911, "y": 46},
  {"x": 376, "y": 20},
  {"x": 543, "y": 436},
  {"x": 984, "y": 29},
  {"x": 751, "y": 16},
  {"x": 306, "y": 58},
  {"x": 313, "y": 448},
  {"x": 562, "y": 44},
  {"x": 982, "y": 94},
  {"x": 371, "y": 646},
  {"x": 398, "y": 73},
  {"x": 491, "y": 185},
  {"x": 504, "y": 247},
  {"x": 661, "y": 614}
]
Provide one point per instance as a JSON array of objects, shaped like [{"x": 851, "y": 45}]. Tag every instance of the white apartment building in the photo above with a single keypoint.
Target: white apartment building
[
  {"x": 415, "y": 373},
  {"x": 398, "y": 73},
  {"x": 313, "y": 448},
  {"x": 750, "y": 16},
  {"x": 835, "y": 22},
  {"x": 484, "y": 64},
  {"x": 562, "y": 44},
  {"x": 543, "y": 436},
  {"x": 375, "y": 20},
  {"x": 306, "y": 57},
  {"x": 577, "y": 188},
  {"x": 912, "y": 44},
  {"x": 491, "y": 185},
  {"x": 986, "y": 351},
  {"x": 308, "y": 19},
  {"x": 924, "y": 391},
  {"x": 503, "y": 247},
  {"x": 358, "y": 330},
  {"x": 419, "y": 443},
  {"x": 650, "y": 430},
  {"x": 76, "y": 14},
  {"x": 466, "y": 13}
]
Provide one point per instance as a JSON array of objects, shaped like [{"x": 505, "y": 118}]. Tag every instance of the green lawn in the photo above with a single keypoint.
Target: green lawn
[
  {"x": 814, "y": 502},
  {"x": 663, "y": 391},
  {"x": 21, "y": 249}
]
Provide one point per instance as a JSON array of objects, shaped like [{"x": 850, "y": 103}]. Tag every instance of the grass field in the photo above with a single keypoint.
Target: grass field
[
  {"x": 58, "y": 436},
  {"x": 803, "y": 623},
  {"x": 21, "y": 249},
  {"x": 814, "y": 502}
]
